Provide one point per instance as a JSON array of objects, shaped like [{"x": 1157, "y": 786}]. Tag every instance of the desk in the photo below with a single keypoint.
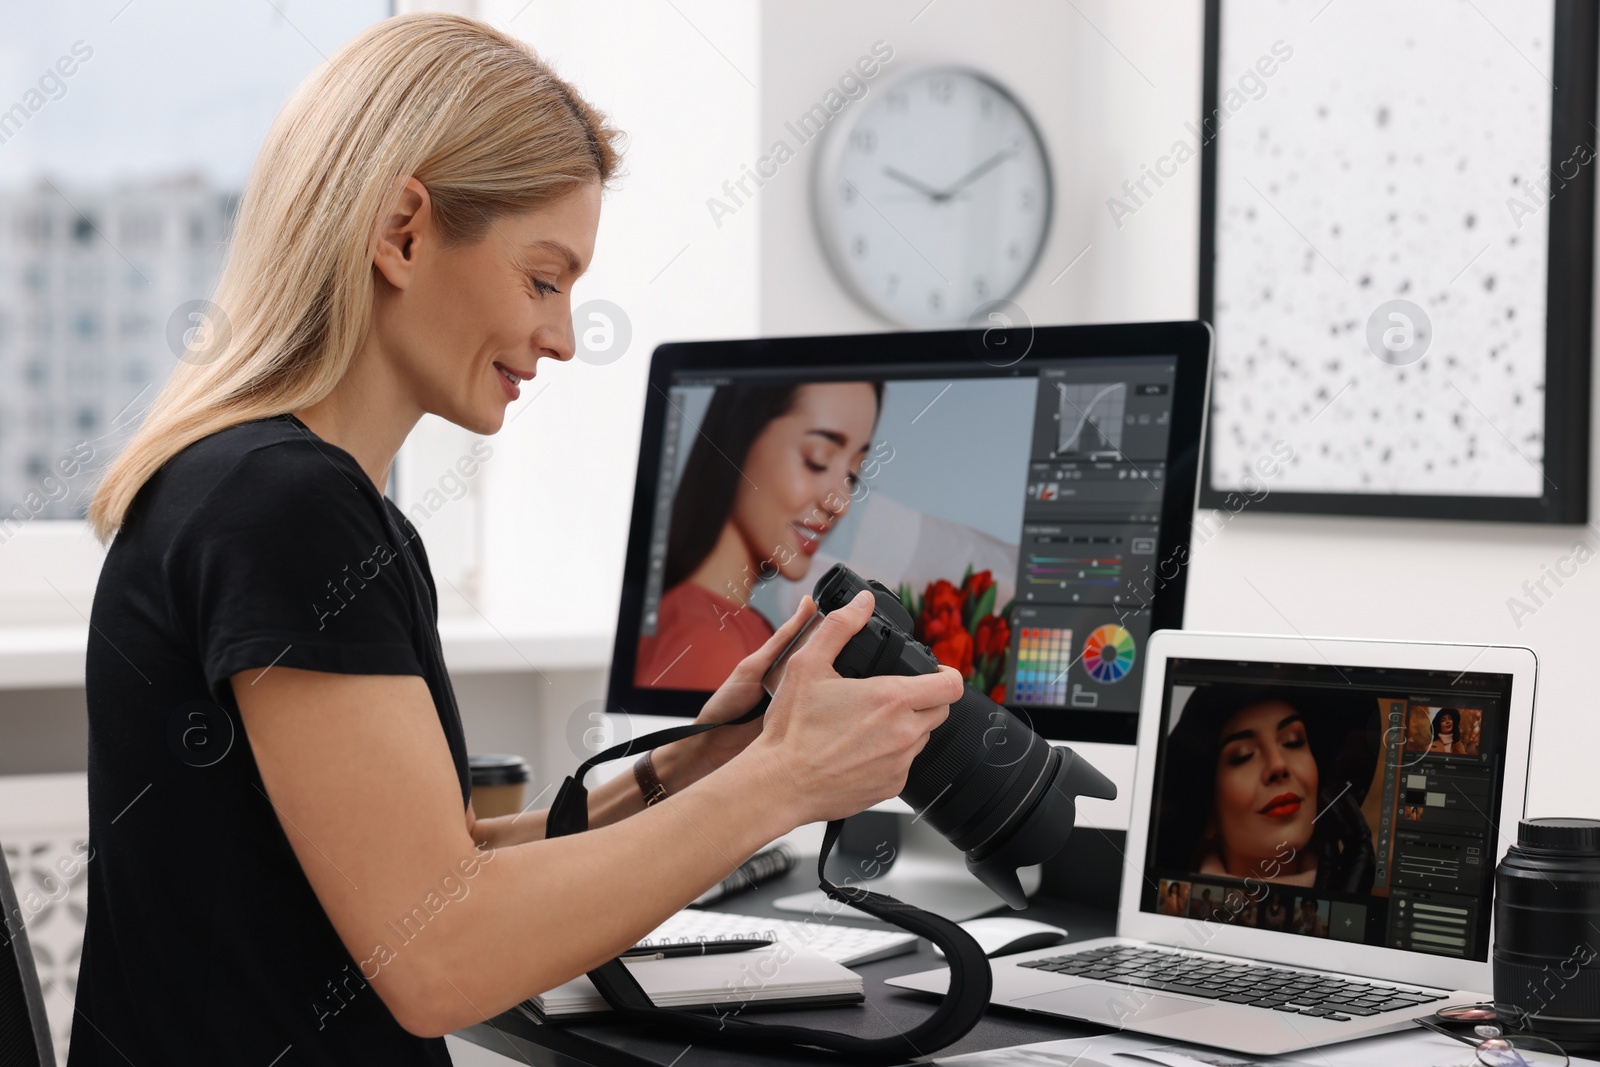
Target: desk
[{"x": 886, "y": 1011}]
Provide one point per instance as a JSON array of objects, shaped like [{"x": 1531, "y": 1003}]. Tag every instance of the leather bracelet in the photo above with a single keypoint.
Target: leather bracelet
[{"x": 644, "y": 772}]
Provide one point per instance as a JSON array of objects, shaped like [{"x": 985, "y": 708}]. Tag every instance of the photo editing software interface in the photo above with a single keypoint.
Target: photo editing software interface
[
  {"x": 1013, "y": 510},
  {"x": 1353, "y": 803}
]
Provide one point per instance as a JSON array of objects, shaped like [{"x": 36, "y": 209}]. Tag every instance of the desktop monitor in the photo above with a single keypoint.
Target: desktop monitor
[{"x": 1027, "y": 492}]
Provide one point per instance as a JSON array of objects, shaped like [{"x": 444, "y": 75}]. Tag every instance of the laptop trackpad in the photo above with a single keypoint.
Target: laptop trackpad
[{"x": 1107, "y": 1004}]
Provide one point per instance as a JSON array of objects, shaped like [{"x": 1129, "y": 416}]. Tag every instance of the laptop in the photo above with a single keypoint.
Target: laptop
[{"x": 1316, "y": 824}]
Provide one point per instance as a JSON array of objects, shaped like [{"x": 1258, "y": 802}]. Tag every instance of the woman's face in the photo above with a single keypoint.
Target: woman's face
[
  {"x": 800, "y": 473},
  {"x": 449, "y": 319},
  {"x": 1447, "y": 723},
  {"x": 1266, "y": 786}
]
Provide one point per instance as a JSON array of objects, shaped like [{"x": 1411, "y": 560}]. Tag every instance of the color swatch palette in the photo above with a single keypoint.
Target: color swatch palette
[{"x": 1043, "y": 655}]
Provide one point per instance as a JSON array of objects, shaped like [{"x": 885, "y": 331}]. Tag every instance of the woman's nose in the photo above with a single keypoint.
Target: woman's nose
[
  {"x": 556, "y": 340},
  {"x": 836, "y": 501},
  {"x": 1274, "y": 766}
]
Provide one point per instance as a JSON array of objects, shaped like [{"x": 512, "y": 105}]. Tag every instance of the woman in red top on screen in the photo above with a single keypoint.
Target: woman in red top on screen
[{"x": 772, "y": 469}]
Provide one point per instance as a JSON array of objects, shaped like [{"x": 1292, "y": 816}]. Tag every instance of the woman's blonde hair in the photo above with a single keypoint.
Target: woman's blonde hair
[{"x": 471, "y": 113}]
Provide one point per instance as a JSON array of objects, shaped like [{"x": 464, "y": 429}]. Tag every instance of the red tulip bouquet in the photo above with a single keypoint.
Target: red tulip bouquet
[{"x": 962, "y": 628}]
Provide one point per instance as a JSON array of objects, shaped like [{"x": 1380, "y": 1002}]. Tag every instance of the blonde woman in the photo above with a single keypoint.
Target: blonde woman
[{"x": 285, "y": 865}]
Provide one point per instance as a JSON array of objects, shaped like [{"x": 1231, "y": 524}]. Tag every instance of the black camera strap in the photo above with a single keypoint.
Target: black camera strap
[{"x": 970, "y": 977}]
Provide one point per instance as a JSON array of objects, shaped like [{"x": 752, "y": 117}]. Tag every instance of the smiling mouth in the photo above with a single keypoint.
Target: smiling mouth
[
  {"x": 809, "y": 537},
  {"x": 1282, "y": 807},
  {"x": 514, "y": 377}
]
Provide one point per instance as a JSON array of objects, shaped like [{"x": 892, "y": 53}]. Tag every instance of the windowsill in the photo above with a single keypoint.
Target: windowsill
[{"x": 51, "y": 656}]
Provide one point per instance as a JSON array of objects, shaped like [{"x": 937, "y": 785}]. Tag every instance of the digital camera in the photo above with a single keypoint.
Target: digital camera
[{"x": 994, "y": 788}]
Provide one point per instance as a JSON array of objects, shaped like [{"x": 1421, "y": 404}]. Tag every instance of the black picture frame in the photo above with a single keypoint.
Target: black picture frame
[
  {"x": 841, "y": 357},
  {"x": 1569, "y": 308}
]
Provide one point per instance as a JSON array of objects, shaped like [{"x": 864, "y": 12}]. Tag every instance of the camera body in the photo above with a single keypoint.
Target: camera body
[{"x": 993, "y": 787}]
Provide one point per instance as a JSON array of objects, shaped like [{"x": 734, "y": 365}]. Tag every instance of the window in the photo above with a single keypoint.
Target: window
[{"x": 117, "y": 198}]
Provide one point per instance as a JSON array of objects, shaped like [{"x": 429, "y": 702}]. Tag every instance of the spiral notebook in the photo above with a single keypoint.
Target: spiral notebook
[
  {"x": 840, "y": 942},
  {"x": 732, "y": 981}
]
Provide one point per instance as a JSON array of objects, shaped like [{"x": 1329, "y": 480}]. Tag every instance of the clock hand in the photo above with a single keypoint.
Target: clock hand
[
  {"x": 976, "y": 172},
  {"x": 906, "y": 179}
]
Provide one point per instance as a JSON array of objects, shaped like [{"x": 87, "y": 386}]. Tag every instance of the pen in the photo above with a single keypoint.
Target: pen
[
  {"x": 690, "y": 948},
  {"x": 765, "y": 865}
]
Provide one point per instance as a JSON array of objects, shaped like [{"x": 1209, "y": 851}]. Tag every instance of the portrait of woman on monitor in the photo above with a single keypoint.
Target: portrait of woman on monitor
[
  {"x": 772, "y": 469},
  {"x": 1267, "y": 784}
]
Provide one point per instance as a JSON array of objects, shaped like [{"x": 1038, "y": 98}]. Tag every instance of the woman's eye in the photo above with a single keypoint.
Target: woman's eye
[
  {"x": 853, "y": 478},
  {"x": 815, "y": 467},
  {"x": 1239, "y": 756},
  {"x": 544, "y": 288}
]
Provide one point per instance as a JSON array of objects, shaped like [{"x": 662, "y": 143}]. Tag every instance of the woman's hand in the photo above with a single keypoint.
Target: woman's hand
[
  {"x": 692, "y": 758},
  {"x": 834, "y": 746}
]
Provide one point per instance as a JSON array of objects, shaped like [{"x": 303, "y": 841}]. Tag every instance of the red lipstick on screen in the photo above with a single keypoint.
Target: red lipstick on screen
[{"x": 1282, "y": 806}]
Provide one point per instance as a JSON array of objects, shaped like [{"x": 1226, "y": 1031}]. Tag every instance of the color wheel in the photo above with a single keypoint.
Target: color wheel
[{"x": 1108, "y": 654}]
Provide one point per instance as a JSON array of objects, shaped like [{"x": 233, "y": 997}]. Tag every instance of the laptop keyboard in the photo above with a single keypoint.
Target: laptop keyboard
[{"x": 1300, "y": 992}]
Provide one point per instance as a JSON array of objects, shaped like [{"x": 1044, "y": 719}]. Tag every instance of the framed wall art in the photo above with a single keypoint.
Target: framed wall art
[{"x": 1397, "y": 241}]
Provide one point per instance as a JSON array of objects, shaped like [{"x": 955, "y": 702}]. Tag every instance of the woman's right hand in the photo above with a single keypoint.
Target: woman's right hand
[{"x": 835, "y": 746}]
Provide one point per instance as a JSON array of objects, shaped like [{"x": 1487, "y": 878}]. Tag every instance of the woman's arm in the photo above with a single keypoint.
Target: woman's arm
[
  {"x": 360, "y": 775},
  {"x": 679, "y": 764},
  {"x": 611, "y": 801}
]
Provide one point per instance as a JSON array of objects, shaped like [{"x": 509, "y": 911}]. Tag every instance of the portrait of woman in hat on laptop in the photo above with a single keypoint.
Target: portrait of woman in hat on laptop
[{"x": 1267, "y": 784}]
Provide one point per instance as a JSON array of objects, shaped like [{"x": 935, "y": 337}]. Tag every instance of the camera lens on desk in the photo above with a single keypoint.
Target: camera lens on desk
[{"x": 1547, "y": 930}]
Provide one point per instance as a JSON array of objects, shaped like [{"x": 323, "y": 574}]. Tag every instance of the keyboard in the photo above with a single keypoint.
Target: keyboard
[
  {"x": 846, "y": 945},
  {"x": 1259, "y": 985}
]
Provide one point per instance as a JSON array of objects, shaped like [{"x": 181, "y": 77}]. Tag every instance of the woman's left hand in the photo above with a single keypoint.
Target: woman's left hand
[{"x": 684, "y": 762}]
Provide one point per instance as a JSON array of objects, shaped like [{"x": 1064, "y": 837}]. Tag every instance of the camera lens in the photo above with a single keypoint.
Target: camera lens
[{"x": 1546, "y": 946}]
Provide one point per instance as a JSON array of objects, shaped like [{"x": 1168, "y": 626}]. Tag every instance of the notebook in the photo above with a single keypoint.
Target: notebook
[
  {"x": 733, "y": 981},
  {"x": 844, "y": 944}
]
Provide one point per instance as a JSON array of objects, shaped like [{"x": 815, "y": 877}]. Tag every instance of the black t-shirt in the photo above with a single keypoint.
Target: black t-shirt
[{"x": 259, "y": 545}]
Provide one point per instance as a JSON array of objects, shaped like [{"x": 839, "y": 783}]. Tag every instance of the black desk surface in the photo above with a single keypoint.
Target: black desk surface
[{"x": 887, "y": 1011}]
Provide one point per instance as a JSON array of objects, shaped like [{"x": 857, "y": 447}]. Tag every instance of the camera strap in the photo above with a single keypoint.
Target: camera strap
[{"x": 963, "y": 1004}]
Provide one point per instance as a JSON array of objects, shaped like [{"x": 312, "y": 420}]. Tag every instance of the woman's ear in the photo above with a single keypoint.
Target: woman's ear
[{"x": 410, "y": 218}]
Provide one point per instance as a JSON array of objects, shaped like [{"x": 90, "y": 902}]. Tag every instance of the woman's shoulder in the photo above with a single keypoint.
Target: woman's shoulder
[
  {"x": 718, "y": 629},
  {"x": 271, "y": 445},
  {"x": 259, "y": 461},
  {"x": 693, "y": 605},
  {"x": 267, "y": 472}
]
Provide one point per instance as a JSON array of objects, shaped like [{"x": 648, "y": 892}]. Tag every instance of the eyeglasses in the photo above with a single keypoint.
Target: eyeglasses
[{"x": 1495, "y": 1046}]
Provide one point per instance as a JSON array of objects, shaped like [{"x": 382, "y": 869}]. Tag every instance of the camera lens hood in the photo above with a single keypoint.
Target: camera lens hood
[{"x": 1042, "y": 829}]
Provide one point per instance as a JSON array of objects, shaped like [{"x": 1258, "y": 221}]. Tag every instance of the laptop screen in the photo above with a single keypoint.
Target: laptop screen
[{"x": 1316, "y": 800}]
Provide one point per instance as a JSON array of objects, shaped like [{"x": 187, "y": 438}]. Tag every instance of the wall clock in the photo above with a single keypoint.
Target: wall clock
[{"x": 933, "y": 199}]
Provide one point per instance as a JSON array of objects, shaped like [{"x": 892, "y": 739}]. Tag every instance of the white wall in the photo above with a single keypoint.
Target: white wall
[
  {"x": 1098, "y": 115},
  {"x": 1111, "y": 85},
  {"x": 559, "y": 489}
]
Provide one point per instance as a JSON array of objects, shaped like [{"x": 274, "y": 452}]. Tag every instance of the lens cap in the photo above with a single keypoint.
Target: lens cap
[{"x": 1573, "y": 836}]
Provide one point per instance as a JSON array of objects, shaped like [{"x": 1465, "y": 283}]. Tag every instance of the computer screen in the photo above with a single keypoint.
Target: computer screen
[
  {"x": 1018, "y": 511},
  {"x": 1353, "y": 803}
]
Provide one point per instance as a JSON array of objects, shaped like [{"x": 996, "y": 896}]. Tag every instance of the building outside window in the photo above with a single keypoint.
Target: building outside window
[{"x": 119, "y": 183}]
